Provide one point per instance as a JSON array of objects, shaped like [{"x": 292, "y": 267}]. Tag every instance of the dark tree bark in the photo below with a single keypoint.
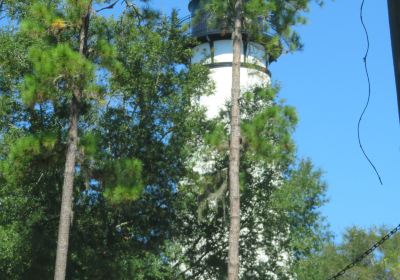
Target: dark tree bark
[
  {"x": 234, "y": 149},
  {"x": 66, "y": 212}
]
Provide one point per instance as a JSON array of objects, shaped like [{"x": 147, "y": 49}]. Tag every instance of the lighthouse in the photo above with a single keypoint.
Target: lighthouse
[{"x": 215, "y": 50}]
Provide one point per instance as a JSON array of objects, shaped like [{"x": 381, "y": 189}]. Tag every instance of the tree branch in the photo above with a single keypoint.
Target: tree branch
[
  {"x": 109, "y": 7},
  {"x": 123, "y": 224},
  {"x": 40, "y": 178},
  {"x": 133, "y": 7},
  {"x": 191, "y": 248},
  {"x": 195, "y": 263}
]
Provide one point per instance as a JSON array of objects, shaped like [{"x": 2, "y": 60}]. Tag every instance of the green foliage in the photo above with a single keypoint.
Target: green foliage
[
  {"x": 123, "y": 182},
  {"x": 41, "y": 16},
  {"x": 153, "y": 266},
  {"x": 332, "y": 257},
  {"x": 267, "y": 126},
  {"x": 23, "y": 151},
  {"x": 217, "y": 136},
  {"x": 12, "y": 246},
  {"x": 88, "y": 144},
  {"x": 137, "y": 194},
  {"x": 301, "y": 197},
  {"x": 33, "y": 137},
  {"x": 56, "y": 72},
  {"x": 277, "y": 121},
  {"x": 29, "y": 189},
  {"x": 13, "y": 46},
  {"x": 16, "y": 10},
  {"x": 280, "y": 197}
]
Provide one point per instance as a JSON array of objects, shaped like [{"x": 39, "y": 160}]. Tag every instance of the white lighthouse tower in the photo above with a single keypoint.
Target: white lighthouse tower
[{"x": 215, "y": 50}]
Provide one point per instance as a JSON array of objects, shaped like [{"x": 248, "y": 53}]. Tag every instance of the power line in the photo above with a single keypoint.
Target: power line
[
  {"x": 369, "y": 94},
  {"x": 366, "y": 253}
]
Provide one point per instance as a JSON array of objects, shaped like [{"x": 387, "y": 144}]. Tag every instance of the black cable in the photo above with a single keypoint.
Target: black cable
[
  {"x": 369, "y": 93},
  {"x": 366, "y": 253}
]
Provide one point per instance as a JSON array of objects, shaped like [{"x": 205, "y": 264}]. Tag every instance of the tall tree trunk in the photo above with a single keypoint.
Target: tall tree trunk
[
  {"x": 234, "y": 150},
  {"x": 66, "y": 212},
  {"x": 67, "y": 194}
]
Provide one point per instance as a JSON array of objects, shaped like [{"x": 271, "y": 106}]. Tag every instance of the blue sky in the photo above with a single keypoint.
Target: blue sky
[{"x": 327, "y": 84}]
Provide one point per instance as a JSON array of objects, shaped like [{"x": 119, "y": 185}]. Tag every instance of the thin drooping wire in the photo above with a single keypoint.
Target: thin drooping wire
[
  {"x": 369, "y": 94},
  {"x": 366, "y": 253}
]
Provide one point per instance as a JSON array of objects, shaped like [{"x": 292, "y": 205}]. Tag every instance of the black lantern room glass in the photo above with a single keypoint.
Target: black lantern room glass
[{"x": 203, "y": 25}]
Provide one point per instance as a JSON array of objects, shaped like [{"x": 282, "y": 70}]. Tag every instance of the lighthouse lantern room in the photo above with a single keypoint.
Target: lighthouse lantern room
[{"x": 215, "y": 49}]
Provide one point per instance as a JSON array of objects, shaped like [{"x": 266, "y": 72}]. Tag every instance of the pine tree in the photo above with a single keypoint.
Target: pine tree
[
  {"x": 135, "y": 120},
  {"x": 280, "y": 197},
  {"x": 269, "y": 23},
  {"x": 63, "y": 73},
  {"x": 77, "y": 88}
]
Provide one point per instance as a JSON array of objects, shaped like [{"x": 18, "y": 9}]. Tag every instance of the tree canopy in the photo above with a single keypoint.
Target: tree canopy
[
  {"x": 383, "y": 263},
  {"x": 141, "y": 209}
]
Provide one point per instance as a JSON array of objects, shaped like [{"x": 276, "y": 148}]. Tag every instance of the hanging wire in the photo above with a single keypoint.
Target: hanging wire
[
  {"x": 184, "y": 19},
  {"x": 366, "y": 253},
  {"x": 396, "y": 229},
  {"x": 369, "y": 94}
]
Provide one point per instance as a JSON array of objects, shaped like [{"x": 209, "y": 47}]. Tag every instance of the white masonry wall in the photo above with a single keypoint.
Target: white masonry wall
[{"x": 222, "y": 75}]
